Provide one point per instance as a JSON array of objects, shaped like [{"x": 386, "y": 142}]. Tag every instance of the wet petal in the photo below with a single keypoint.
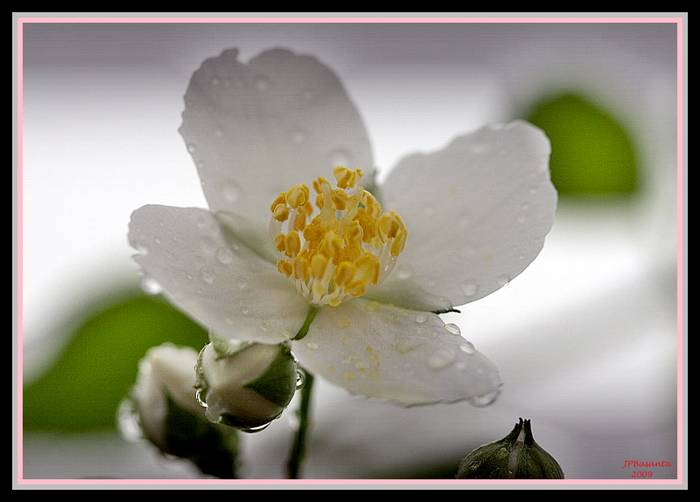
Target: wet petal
[
  {"x": 259, "y": 128},
  {"x": 213, "y": 278},
  {"x": 477, "y": 213},
  {"x": 404, "y": 356}
]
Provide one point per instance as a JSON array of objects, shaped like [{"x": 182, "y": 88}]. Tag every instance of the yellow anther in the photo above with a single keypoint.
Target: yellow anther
[
  {"x": 297, "y": 196},
  {"x": 284, "y": 267},
  {"x": 318, "y": 266},
  {"x": 337, "y": 251},
  {"x": 292, "y": 244},
  {"x": 301, "y": 268},
  {"x": 344, "y": 273},
  {"x": 280, "y": 213},
  {"x": 280, "y": 243}
]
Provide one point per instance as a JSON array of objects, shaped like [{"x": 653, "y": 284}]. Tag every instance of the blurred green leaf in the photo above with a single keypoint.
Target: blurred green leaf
[
  {"x": 95, "y": 370},
  {"x": 592, "y": 153}
]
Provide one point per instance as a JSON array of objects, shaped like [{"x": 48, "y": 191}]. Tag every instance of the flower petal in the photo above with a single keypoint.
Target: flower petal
[
  {"x": 386, "y": 352},
  {"x": 257, "y": 129},
  {"x": 209, "y": 275},
  {"x": 477, "y": 213}
]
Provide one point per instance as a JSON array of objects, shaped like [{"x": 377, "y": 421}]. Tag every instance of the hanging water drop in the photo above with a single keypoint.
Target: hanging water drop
[
  {"x": 301, "y": 378},
  {"x": 150, "y": 285},
  {"x": 467, "y": 348}
]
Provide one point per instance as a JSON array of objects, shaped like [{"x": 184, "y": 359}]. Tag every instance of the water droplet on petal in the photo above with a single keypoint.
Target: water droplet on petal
[
  {"x": 421, "y": 318},
  {"x": 298, "y": 136},
  {"x": 191, "y": 148},
  {"x": 485, "y": 399},
  {"x": 201, "y": 398},
  {"x": 441, "y": 358},
  {"x": 470, "y": 288},
  {"x": 312, "y": 345},
  {"x": 262, "y": 83},
  {"x": 189, "y": 277},
  {"x": 404, "y": 272},
  {"x": 150, "y": 285},
  {"x": 467, "y": 348},
  {"x": 453, "y": 329},
  {"x": 157, "y": 240},
  {"x": 242, "y": 285},
  {"x": 245, "y": 310},
  {"x": 252, "y": 430},
  {"x": 340, "y": 157},
  {"x": 230, "y": 191},
  {"x": 224, "y": 255},
  {"x": 503, "y": 280}
]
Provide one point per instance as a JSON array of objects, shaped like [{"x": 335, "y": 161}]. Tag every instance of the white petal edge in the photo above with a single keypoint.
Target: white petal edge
[
  {"x": 393, "y": 354},
  {"x": 477, "y": 214},
  {"x": 256, "y": 129},
  {"x": 212, "y": 277}
]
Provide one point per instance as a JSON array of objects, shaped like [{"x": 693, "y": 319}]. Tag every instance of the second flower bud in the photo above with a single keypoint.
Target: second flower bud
[{"x": 245, "y": 384}]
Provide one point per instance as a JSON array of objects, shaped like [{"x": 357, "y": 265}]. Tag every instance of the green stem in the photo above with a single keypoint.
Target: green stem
[
  {"x": 296, "y": 454},
  {"x": 307, "y": 323}
]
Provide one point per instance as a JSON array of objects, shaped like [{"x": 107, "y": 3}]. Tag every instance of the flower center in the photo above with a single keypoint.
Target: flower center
[{"x": 336, "y": 250}]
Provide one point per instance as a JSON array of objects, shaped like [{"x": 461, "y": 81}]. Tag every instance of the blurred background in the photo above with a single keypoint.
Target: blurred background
[{"x": 585, "y": 338}]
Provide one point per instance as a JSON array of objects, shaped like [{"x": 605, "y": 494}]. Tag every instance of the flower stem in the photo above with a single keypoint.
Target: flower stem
[
  {"x": 296, "y": 454},
  {"x": 310, "y": 315}
]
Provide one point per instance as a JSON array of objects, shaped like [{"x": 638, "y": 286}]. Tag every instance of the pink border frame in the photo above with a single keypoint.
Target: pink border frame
[{"x": 678, "y": 21}]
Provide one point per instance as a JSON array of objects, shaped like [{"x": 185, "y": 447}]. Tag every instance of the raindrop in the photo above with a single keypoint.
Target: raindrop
[
  {"x": 467, "y": 348},
  {"x": 224, "y": 255},
  {"x": 441, "y": 358},
  {"x": 453, "y": 329},
  {"x": 470, "y": 288},
  {"x": 503, "y": 280},
  {"x": 189, "y": 276},
  {"x": 298, "y": 136},
  {"x": 230, "y": 191},
  {"x": 312, "y": 345},
  {"x": 251, "y": 430},
  {"x": 262, "y": 83},
  {"x": 191, "y": 148},
  {"x": 201, "y": 398},
  {"x": 301, "y": 379},
  {"x": 340, "y": 158},
  {"x": 150, "y": 285},
  {"x": 421, "y": 318},
  {"x": 128, "y": 421},
  {"x": 485, "y": 399},
  {"x": 404, "y": 272}
]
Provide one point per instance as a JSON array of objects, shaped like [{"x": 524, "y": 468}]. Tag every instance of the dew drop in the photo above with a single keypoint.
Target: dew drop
[
  {"x": 301, "y": 379},
  {"x": 201, "y": 398},
  {"x": 312, "y": 345},
  {"x": 297, "y": 136},
  {"x": 189, "y": 277},
  {"x": 340, "y": 158},
  {"x": 485, "y": 399},
  {"x": 191, "y": 148},
  {"x": 224, "y": 255},
  {"x": 421, "y": 318},
  {"x": 404, "y": 272},
  {"x": 262, "y": 83},
  {"x": 230, "y": 191},
  {"x": 453, "y": 329},
  {"x": 150, "y": 285},
  {"x": 467, "y": 348},
  {"x": 470, "y": 288},
  {"x": 441, "y": 358},
  {"x": 503, "y": 280}
]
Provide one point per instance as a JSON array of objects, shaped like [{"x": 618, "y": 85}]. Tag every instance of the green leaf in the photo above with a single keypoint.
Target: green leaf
[
  {"x": 592, "y": 153},
  {"x": 278, "y": 383},
  {"x": 82, "y": 389}
]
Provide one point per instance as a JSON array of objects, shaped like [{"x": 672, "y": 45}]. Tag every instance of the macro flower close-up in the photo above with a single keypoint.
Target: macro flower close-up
[{"x": 352, "y": 273}]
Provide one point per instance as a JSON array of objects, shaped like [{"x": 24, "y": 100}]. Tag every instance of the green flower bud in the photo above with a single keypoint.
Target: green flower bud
[
  {"x": 516, "y": 456},
  {"x": 245, "y": 384}
]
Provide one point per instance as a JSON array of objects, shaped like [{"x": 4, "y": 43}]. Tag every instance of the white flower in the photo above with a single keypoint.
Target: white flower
[
  {"x": 475, "y": 214},
  {"x": 166, "y": 371}
]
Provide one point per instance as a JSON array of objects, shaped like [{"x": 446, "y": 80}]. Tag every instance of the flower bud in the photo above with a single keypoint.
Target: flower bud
[
  {"x": 165, "y": 372},
  {"x": 245, "y": 384},
  {"x": 516, "y": 456},
  {"x": 163, "y": 409}
]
